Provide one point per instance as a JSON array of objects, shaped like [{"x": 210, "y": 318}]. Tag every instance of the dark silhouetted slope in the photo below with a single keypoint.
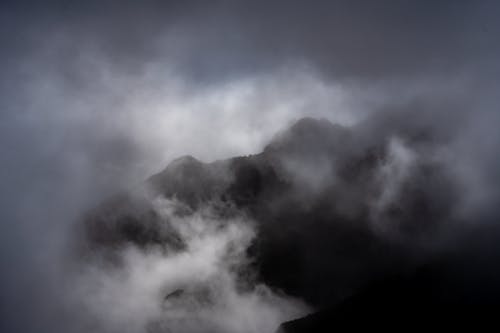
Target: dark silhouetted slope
[{"x": 335, "y": 211}]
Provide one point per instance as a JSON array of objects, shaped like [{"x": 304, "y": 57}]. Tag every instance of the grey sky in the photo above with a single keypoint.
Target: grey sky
[{"x": 98, "y": 95}]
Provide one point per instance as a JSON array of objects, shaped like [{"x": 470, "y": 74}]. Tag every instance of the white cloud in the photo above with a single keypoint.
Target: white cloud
[{"x": 198, "y": 289}]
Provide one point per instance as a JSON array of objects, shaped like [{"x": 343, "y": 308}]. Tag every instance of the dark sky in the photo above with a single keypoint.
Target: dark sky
[{"x": 97, "y": 95}]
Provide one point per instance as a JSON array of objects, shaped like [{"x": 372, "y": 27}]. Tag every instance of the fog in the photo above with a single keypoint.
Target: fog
[
  {"x": 96, "y": 96},
  {"x": 196, "y": 290}
]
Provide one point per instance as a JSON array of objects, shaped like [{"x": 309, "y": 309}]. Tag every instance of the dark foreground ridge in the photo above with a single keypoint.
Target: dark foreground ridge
[{"x": 346, "y": 221}]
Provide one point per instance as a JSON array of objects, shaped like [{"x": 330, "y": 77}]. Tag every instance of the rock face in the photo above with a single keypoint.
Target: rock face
[
  {"x": 335, "y": 209},
  {"x": 428, "y": 298}
]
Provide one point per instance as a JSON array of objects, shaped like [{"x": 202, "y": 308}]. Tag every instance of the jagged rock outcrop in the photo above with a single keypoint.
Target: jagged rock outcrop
[{"x": 334, "y": 210}]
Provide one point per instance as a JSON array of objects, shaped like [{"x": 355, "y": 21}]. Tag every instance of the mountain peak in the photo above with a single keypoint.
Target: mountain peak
[
  {"x": 309, "y": 123},
  {"x": 307, "y": 132},
  {"x": 185, "y": 160}
]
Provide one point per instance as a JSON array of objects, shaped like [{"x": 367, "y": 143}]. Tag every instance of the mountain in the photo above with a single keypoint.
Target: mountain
[{"x": 335, "y": 210}]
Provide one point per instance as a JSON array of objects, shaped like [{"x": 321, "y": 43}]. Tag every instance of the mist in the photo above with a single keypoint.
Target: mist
[
  {"x": 203, "y": 288},
  {"x": 95, "y": 97}
]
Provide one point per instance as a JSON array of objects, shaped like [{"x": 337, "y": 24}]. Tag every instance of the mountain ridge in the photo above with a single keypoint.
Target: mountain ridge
[{"x": 327, "y": 221}]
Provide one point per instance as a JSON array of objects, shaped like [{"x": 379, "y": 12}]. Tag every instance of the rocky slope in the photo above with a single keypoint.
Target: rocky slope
[{"x": 335, "y": 208}]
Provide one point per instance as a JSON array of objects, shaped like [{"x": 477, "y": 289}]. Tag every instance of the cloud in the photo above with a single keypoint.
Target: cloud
[
  {"x": 95, "y": 96},
  {"x": 199, "y": 289}
]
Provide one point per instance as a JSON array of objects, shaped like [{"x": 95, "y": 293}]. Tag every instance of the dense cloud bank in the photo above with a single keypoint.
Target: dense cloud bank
[
  {"x": 196, "y": 283},
  {"x": 95, "y": 96}
]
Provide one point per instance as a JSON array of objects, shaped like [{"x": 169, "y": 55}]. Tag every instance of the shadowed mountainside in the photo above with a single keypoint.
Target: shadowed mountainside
[{"x": 334, "y": 210}]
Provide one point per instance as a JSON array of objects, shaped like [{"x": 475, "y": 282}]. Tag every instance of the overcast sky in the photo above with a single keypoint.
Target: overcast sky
[{"x": 98, "y": 95}]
